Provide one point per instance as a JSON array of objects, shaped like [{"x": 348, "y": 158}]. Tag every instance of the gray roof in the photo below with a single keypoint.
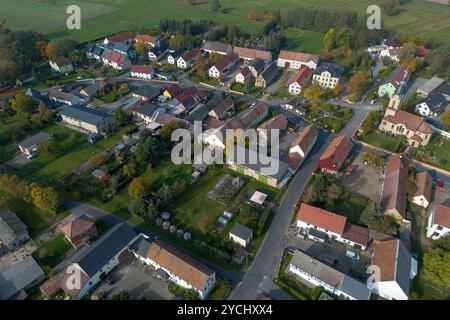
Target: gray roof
[
  {"x": 354, "y": 288},
  {"x": 85, "y": 114},
  {"x": 147, "y": 91},
  {"x": 436, "y": 102},
  {"x": 35, "y": 140},
  {"x": 92, "y": 89},
  {"x": 334, "y": 69},
  {"x": 270, "y": 72},
  {"x": 141, "y": 246},
  {"x": 104, "y": 249},
  {"x": 330, "y": 276},
  {"x": 431, "y": 85},
  {"x": 11, "y": 226},
  {"x": 35, "y": 94},
  {"x": 403, "y": 267},
  {"x": 18, "y": 277},
  {"x": 258, "y": 64},
  {"x": 241, "y": 231},
  {"x": 216, "y": 46}
]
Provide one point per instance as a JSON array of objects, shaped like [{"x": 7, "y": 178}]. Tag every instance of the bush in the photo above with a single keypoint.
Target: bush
[{"x": 316, "y": 293}]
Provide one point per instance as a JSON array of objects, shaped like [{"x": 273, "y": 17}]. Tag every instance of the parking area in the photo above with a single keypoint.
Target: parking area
[
  {"x": 136, "y": 279},
  {"x": 366, "y": 180},
  {"x": 334, "y": 254}
]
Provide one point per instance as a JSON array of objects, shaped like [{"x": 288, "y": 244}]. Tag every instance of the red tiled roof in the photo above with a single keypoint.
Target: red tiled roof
[
  {"x": 174, "y": 90},
  {"x": 322, "y": 218},
  {"x": 225, "y": 62},
  {"x": 411, "y": 121},
  {"x": 303, "y": 75},
  {"x": 394, "y": 188},
  {"x": 306, "y": 137},
  {"x": 248, "y": 53},
  {"x": 121, "y": 37},
  {"x": 278, "y": 122},
  {"x": 399, "y": 76},
  {"x": 424, "y": 183},
  {"x": 141, "y": 69},
  {"x": 356, "y": 234},
  {"x": 77, "y": 227},
  {"x": 61, "y": 61},
  {"x": 421, "y": 51},
  {"x": 213, "y": 123},
  {"x": 442, "y": 216},
  {"x": 338, "y": 151},
  {"x": 298, "y": 56},
  {"x": 145, "y": 38},
  {"x": 385, "y": 257},
  {"x": 188, "y": 56},
  {"x": 118, "y": 58}
]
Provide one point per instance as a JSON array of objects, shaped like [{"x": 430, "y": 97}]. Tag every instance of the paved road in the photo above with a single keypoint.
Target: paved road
[{"x": 265, "y": 264}]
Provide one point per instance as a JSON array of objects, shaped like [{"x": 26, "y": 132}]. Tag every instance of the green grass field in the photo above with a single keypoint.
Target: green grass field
[{"x": 52, "y": 253}]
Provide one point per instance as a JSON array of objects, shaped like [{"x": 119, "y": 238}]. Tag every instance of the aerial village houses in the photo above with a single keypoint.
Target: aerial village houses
[
  {"x": 428, "y": 87},
  {"x": 222, "y": 109},
  {"x": 279, "y": 123},
  {"x": 144, "y": 110},
  {"x": 399, "y": 122},
  {"x": 424, "y": 184},
  {"x": 432, "y": 106},
  {"x": 399, "y": 80},
  {"x": 301, "y": 147},
  {"x": 150, "y": 40},
  {"x": 187, "y": 60},
  {"x": 158, "y": 52},
  {"x": 60, "y": 97},
  {"x": 322, "y": 225},
  {"x": 327, "y": 75},
  {"x": 223, "y": 65},
  {"x": 334, "y": 156},
  {"x": 248, "y": 55},
  {"x": 439, "y": 222},
  {"x": 61, "y": 65},
  {"x": 116, "y": 60},
  {"x": 331, "y": 280},
  {"x": 142, "y": 72},
  {"x": 174, "y": 54},
  {"x": 180, "y": 267},
  {"x": 124, "y": 50},
  {"x": 86, "y": 119},
  {"x": 31, "y": 145},
  {"x": 295, "y": 60},
  {"x": 397, "y": 268},
  {"x": 127, "y": 38},
  {"x": 243, "y": 74},
  {"x": 217, "y": 47},
  {"x": 266, "y": 77},
  {"x": 300, "y": 80},
  {"x": 393, "y": 197},
  {"x": 13, "y": 232},
  {"x": 80, "y": 230}
]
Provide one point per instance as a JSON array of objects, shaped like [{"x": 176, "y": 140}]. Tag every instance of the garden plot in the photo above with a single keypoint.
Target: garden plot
[{"x": 225, "y": 190}]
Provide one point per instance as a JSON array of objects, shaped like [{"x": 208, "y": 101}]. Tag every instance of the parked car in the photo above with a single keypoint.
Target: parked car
[
  {"x": 328, "y": 259},
  {"x": 352, "y": 255},
  {"x": 30, "y": 156}
]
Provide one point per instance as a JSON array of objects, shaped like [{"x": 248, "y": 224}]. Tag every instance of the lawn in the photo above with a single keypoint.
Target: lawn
[
  {"x": 327, "y": 116},
  {"x": 52, "y": 253},
  {"x": 439, "y": 147},
  {"x": 384, "y": 141},
  {"x": 36, "y": 220},
  {"x": 10, "y": 148}
]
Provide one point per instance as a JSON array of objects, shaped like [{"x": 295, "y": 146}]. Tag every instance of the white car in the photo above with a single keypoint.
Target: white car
[
  {"x": 372, "y": 101},
  {"x": 351, "y": 255},
  {"x": 30, "y": 156}
]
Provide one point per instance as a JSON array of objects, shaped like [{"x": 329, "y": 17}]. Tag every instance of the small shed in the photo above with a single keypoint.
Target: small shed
[
  {"x": 241, "y": 234},
  {"x": 258, "y": 198}
]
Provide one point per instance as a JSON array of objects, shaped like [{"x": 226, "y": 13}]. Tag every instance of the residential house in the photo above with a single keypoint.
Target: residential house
[
  {"x": 24, "y": 79},
  {"x": 240, "y": 234},
  {"x": 35, "y": 94},
  {"x": 432, "y": 106},
  {"x": 327, "y": 278},
  {"x": 61, "y": 65},
  {"x": 216, "y": 47},
  {"x": 80, "y": 230},
  {"x": 300, "y": 80},
  {"x": 256, "y": 66},
  {"x": 142, "y": 72},
  {"x": 146, "y": 93},
  {"x": 295, "y": 60},
  {"x": 391, "y": 53},
  {"x": 334, "y": 156},
  {"x": 266, "y": 77},
  {"x": 15, "y": 280},
  {"x": 267, "y": 169},
  {"x": 172, "y": 91},
  {"x": 278, "y": 123},
  {"x": 86, "y": 119},
  {"x": 301, "y": 147},
  {"x": 428, "y": 87},
  {"x": 424, "y": 184},
  {"x": 91, "y": 90},
  {"x": 243, "y": 74},
  {"x": 127, "y": 38},
  {"x": 396, "y": 270},
  {"x": 13, "y": 232},
  {"x": 187, "y": 60},
  {"x": 162, "y": 119},
  {"x": 174, "y": 54},
  {"x": 152, "y": 41},
  {"x": 158, "y": 52},
  {"x": 124, "y": 50},
  {"x": 61, "y": 97},
  {"x": 327, "y": 75},
  {"x": 390, "y": 87},
  {"x": 94, "y": 51},
  {"x": 393, "y": 197},
  {"x": 439, "y": 222},
  {"x": 223, "y": 65},
  {"x": 116, "y": 60},
  {"x": 322, "y": 225},
  {"x": 97, "y": 260},
  {"x": 180, "y": 267},
  {"x": 222, "y": 109},
  {"x": 249, "y": 55},
  {"x": 249, "y": 117},
  {"x": 399, "y": 122},
  {"x": 31, "y": 145}
]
